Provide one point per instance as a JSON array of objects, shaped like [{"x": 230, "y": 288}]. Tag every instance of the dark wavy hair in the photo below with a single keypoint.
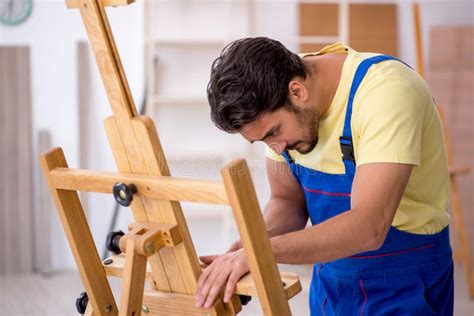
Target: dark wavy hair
[{"x": 250, "y": 78}]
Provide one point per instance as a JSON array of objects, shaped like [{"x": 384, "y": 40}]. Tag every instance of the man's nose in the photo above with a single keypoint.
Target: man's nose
[{"x": 278, "y": 146}]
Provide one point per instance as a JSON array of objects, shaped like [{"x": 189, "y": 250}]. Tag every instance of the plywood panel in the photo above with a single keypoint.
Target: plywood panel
[
  {"x": 84, "y": 109},
  {"x": 16, "y": 161},
  {"x": 312, "y": 48},
  {"x": 373, "y": 28},
  {"x": 319, "y": 19},
  {"x": 451, "y": 78},
  {"x": 43, "y": 211}
]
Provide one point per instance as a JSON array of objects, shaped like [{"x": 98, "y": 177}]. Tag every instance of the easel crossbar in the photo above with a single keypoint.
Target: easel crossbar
[
  {"x": 245, "y": 286},
  {"x": 155, "y": 187}
]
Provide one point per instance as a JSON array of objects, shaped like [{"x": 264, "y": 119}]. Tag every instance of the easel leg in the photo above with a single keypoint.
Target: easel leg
[
  {"x": 80, "y": 238},
  {"x": 133, "y": 281}
]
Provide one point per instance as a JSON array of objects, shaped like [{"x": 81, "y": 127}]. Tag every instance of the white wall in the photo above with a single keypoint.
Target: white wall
[{"x": 52, "y": 32}]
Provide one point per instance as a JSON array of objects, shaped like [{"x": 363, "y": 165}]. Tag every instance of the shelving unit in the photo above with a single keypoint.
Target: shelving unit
[
  {"x": 182, "y": 39},
  {"x": 364, "y": 25}
]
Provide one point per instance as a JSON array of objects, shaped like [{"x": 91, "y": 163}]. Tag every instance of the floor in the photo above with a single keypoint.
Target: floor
[{"x": 55, "y": 295}]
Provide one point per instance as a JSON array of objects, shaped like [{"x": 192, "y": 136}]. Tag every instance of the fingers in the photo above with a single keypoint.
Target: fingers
[
  {"x": 210, "y": 284},
  {"x": 208, "y": 259},
  {"x": 216, "y": 286},
  {"x": 202, "y": 280},
  {"x": 230, "y": 287},
  {"x": 225, "y": 270}
]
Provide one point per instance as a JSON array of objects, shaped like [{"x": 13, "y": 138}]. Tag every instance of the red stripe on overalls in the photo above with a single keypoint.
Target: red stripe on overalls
[
  {"x": 365, "y": 297},
  {"x": 393, "y": 253},
  {"x": 326, "y": 193}
]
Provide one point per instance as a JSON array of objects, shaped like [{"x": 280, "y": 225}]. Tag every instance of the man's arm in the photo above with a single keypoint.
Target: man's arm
[
  {"x": 286, "y": 209},
  {"x": 285, "y": 212},
  {"x": 376, "y": 194}
]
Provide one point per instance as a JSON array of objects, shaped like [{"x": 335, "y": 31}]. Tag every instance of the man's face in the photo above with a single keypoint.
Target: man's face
[{"x": 288, "y": 128}]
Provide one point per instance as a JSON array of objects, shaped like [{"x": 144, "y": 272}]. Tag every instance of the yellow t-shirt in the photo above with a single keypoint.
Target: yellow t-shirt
[{"x": 394, "y": 120}]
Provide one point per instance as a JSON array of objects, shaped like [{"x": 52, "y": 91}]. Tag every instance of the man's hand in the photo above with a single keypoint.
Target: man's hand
[{"x": 226, "y": 269}]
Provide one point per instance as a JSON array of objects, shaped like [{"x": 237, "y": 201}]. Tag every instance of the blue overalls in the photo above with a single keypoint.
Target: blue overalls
[{"x": 411, "y": 274}]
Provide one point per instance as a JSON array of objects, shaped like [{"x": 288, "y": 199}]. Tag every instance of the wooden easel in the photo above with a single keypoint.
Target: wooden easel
[
  {"x": 158, "y": 247},
  {"x": 464, "y": 253}
]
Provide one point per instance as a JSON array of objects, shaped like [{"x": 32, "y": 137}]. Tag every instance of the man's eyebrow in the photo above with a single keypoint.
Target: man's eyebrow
[{"x": 270, "y": 132}]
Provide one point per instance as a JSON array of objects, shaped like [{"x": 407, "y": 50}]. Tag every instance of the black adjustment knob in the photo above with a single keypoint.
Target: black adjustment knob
[
  {"x": 245, "y": 299},
  {"x": 113, "y": 241},
  {"x": 81, "y": 303},
  {"x": 123, "y": 193}
]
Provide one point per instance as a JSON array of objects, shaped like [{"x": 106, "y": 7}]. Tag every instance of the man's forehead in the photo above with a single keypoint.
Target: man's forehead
[{"x": 257, "y": 129}]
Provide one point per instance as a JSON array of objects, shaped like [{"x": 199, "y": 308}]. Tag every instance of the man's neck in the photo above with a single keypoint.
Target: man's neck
[{"x": 325, "y": 74}]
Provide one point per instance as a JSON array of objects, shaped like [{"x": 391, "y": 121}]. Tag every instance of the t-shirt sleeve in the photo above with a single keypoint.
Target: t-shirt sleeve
[
  {"x": 389, "y": 123},
  {"x": 272, "y": 155}
]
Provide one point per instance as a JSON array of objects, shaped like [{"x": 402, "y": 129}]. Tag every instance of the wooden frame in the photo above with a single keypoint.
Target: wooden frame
[{"x": 173, "y": 270}]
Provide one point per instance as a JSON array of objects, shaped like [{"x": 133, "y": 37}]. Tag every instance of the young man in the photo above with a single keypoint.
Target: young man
[{"x": 355, "y": 144}]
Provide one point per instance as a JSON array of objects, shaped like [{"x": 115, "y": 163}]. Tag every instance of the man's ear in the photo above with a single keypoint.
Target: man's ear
[{"x": 297, "y": 92}]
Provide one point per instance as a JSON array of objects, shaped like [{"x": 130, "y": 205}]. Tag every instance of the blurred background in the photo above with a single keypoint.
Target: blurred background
[{"x": 51, "y": 95}]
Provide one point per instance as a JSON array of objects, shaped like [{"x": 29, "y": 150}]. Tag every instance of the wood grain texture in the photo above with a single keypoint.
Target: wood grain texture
[
  {"x": 318, "y": 19},
  {"x": 165, "y": 304},
  {"x": 80, "y": 238},
  {"x": 154, "y": 187},
  {"x": 254, "y": 238},
  {"x": 373, "y": 28},
  {"x": 174, "y": 269},
  {"x": 108, "y": 61},
  {"x": 133, "y": 284}
]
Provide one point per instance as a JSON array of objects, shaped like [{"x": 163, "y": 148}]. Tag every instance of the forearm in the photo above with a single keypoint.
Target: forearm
[
  {"x": 339, "y": 237},
  {"x": 284, "y": 216}
]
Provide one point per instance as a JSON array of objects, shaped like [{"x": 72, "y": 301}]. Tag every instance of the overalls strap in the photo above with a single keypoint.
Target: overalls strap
[{"x": 347, "y": 147}]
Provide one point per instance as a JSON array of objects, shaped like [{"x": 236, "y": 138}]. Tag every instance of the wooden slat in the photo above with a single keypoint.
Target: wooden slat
[
  {"x": 74, "y": 4},
  {"x": 185, "y": 254},
  {"x": 80, "y": 238},
  {"x": 108, "y": 61},
  {"x": 160, "y": 279},
  {"x": 155, "y": 187},
  {"x": 133, "y": 284},
  {"x": 291, "y": 285},
  {"x": 165, "y": 304},
  {"x": 253, "y": 235},
  {"x": 245, "y": 286}
]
